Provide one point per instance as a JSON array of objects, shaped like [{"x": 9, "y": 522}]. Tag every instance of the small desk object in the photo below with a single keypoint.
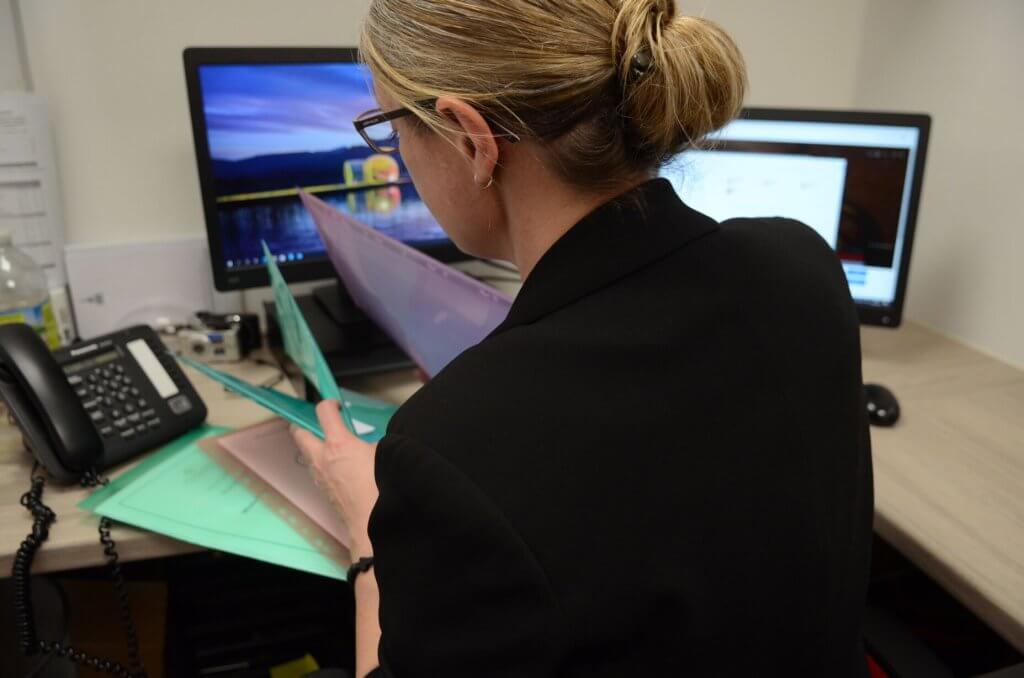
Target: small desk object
[{"x": 949, "y": 477}]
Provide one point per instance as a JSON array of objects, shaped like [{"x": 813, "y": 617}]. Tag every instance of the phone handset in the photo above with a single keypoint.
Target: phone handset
[{"x": 55, "y": 427}]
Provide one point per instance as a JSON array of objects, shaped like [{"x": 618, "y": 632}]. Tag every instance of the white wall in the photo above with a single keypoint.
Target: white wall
[
  {"x": 11, "y": 74},
  {"x": 113, "y": 75},
  {"x": 963, "y": 62},
  {"x": 800, "y": 53}
]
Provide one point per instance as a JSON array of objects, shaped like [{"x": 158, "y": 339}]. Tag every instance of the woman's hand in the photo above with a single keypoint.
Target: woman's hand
[{"x": 343, "y": 465}]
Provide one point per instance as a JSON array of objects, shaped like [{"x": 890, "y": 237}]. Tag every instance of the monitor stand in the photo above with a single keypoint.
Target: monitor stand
[{"x": 352, "y": 344}]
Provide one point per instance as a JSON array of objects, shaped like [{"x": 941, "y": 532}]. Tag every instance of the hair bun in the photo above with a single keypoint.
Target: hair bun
[{"x": 682, "y": 77}]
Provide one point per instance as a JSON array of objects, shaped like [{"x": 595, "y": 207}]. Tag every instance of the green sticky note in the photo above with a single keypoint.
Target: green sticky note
[
  {"x": 367, "y": 418},
  {"x": 183, "y": 493}
]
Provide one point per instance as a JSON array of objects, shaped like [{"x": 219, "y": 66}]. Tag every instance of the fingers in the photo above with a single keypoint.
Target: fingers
[{"x": 329, "y": 414}]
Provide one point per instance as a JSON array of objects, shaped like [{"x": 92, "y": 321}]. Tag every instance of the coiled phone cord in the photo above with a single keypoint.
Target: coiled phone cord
[{"x": 29, "y": 643}]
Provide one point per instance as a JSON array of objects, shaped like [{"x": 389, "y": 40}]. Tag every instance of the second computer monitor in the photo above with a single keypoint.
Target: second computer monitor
[{"x": 853, "y": 177}]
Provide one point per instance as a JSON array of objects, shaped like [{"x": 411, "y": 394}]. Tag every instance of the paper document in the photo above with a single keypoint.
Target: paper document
[
  {"x": 30, "y": 207},
  {"x": 213, "y": 501},
  {"x": 429, "y": 309},
  {"x": 269, "y": 451}
]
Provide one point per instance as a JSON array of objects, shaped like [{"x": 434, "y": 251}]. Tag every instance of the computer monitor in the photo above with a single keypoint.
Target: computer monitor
[
  {"x": 269, "y": 121},
  {"x": 854, "y": 177}
]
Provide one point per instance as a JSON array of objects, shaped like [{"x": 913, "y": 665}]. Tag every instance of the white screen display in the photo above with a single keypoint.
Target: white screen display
[{"x": 849, "y": 182}]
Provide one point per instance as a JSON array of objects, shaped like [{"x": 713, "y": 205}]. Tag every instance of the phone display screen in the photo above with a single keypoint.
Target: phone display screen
[{"x": 92, "y": 361}]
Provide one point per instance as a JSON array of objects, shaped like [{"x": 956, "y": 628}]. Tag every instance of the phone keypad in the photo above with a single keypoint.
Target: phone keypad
[{"x": 116, "y": 406}]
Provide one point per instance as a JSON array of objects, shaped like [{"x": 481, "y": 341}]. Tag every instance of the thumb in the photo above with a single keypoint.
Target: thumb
[{"x": 309, "y": 444}]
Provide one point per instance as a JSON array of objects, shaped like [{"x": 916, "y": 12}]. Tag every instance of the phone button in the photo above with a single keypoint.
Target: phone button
[
  {"x": 128, "y": 434},
  {"x": 97, "y": 416},
  {"x": 75, "y": 380},
  {"x": 180, "y": 404},
  {"x": 92, "y": 404},
  {"x": 120, "y": 423},
  {"x": 107, "y": 431}
]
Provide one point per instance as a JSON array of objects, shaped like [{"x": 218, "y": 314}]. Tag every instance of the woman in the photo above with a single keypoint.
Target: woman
[{"x": 658, "y": 464}]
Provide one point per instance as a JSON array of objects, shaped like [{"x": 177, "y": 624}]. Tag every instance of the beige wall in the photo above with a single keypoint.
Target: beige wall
[
  {"x": 800, "y": 53},
  {"x": 11, "y": 77},
  {"x": 962, "y": 62},
  {"x": 112, "y": 72},
  {"x": 113, "y": 75}
]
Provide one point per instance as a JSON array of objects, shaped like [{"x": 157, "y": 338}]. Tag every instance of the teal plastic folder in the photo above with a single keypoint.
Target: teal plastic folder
[
  {"x": 299, "y": 343},
  {"x": 365, "y": 417},
  {"x": 184, "y": 493}
]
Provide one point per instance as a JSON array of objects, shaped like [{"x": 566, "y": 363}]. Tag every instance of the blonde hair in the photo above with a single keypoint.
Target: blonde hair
[{"x": 613, "y": 87}]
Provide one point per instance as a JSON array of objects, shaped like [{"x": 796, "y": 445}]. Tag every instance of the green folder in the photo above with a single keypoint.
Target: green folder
[
  {"x": 299, "y": 343},
  {"x": 184, "y": 493},
  {"x": 365, "y": 417}
]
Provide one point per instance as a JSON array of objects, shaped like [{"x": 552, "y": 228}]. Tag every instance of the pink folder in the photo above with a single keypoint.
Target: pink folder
[
  {"x": 432, "y": 311},
  {"x": 269, "y": 451}
]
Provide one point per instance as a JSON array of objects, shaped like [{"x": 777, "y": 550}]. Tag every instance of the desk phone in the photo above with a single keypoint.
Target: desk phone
[{"x": 98, "y": 403}]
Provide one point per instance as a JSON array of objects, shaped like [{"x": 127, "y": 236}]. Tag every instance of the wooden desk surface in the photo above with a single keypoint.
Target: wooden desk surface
[{"x": 949, "y": 477}]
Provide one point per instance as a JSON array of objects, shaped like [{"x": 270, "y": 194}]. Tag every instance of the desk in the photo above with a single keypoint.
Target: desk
[{"x": 949, "y": 478}]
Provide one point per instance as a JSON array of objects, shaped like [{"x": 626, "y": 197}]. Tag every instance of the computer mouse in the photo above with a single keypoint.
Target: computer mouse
[{"x": 883, "y": 408}]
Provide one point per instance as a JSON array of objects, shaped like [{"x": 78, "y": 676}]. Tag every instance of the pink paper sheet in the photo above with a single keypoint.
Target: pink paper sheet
[{"x": 269, "y": 451}]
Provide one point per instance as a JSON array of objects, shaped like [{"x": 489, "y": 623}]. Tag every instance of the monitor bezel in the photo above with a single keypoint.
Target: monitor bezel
[
  {"x": 890, "y": 315},
  {"x": 226, "y": 280}
]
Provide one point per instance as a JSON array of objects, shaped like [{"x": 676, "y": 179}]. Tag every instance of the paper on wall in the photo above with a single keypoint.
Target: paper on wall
[{"x": 30, "y": 208}]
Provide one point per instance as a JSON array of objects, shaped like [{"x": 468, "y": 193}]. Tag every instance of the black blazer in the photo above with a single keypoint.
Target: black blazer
[{"x": 658, "y": 465}]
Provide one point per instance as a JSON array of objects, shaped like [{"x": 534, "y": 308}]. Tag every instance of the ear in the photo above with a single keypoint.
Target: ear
[{"x": 475, "y": 139}]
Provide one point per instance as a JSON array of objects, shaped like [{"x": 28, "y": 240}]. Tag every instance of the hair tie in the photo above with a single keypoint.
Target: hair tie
[{"x": 642, "y": 63}]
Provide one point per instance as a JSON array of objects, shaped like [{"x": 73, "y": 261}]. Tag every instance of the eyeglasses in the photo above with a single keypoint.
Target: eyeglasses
[
  {"x": 377, "y": 127},
  {"x": 378, "y": 130}
]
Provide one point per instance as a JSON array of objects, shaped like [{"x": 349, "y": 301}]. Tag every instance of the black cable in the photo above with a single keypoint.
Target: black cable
[{"x": 29, "y": 643}]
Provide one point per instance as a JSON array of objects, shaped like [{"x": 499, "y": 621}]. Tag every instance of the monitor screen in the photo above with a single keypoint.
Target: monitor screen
[
  {"x": 855, "y": 178},
  {"x": 269, "y": 122}
]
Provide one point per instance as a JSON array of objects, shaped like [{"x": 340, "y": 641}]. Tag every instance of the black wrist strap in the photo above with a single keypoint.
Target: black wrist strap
[{"x": 359, "y": 567}]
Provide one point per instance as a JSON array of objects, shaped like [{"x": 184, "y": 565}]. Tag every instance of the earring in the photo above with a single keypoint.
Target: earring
[{"x": 490, "y": 183}]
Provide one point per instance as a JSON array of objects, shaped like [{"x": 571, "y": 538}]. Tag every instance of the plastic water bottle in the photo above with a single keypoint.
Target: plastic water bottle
[{"x": 24, "y": 293}]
